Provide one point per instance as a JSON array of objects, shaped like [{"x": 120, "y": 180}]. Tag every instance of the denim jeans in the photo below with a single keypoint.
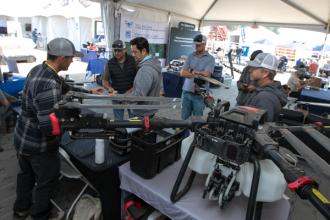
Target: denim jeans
[
  {"x": 39, "y": 172},
  {"x": 191, "y": 105},
  {"x": 119, "y": 113}
]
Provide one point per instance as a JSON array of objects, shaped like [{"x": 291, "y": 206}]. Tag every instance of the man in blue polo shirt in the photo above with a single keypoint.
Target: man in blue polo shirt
[{"x": 199, "y": 62}]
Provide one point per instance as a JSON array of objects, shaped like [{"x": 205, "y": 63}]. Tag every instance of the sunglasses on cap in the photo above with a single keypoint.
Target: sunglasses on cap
[{"x": 118, "y": 46}]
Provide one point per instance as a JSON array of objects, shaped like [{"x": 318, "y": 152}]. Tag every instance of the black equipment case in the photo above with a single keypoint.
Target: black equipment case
[{"x": 152, "y": 152}]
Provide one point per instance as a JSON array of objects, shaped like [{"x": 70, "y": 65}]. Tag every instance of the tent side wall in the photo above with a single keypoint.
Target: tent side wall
[
  {"x": 24, "y": 22},
  {"x": 144, "y": 11},
  {"x": 86, "y": 30},
  {"x": 55, "y": 28},
  {"x": 159, "y": 20},
  {"x": 40, "y": 22}
]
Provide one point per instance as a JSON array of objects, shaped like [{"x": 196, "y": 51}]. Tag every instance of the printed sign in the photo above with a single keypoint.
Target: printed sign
[{"x": 154, "y": 32}]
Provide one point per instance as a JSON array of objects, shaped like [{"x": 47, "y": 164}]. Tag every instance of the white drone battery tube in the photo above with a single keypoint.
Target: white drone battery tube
[{"x": 99, "y": 151}]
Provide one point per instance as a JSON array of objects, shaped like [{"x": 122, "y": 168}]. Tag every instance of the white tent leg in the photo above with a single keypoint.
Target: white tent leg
[{"x": 322, "y": 52}]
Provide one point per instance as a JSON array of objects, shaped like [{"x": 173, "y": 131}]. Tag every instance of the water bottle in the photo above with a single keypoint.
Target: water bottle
[{"x": 99, "y": 151}]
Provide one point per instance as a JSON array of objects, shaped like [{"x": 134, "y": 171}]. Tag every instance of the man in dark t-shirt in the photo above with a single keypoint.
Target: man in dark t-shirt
[{"x": 119, "y": 75}]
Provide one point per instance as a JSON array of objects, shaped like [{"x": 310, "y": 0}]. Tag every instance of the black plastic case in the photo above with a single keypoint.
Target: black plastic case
[{"x": 152, "y": 152}]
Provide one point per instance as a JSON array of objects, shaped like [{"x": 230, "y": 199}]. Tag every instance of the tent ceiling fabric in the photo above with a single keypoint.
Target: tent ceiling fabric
[
  {"x": 190, "y": 8},
  {"x": 275, "y": 12},
  {"x": 30, "y": 8}
]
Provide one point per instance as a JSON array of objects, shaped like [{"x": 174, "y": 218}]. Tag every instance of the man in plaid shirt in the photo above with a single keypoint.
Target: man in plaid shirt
[
  {"x": 4, "y": 111},
  {"x": 37, "y": 149}
]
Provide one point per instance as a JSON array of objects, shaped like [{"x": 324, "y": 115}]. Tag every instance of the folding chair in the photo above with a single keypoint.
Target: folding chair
[{"x": 69, "y": 170}]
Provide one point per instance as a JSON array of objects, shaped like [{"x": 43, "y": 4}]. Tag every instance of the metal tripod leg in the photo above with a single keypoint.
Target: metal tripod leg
[
  {"x": 257, "y": 214},
  {"x": 254, "y": 190},
  {"x": 175, "y": 195}
]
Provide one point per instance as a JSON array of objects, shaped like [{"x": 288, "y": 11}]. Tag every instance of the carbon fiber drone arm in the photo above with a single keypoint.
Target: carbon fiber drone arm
[
  {"x": 304, "y": 186},
  {"x": 238, "y": 129},
  {"x": 71, "y": 118}
]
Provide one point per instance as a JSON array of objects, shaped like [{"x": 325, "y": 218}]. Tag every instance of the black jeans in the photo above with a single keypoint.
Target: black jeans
[{"x": 39, "y": 172}]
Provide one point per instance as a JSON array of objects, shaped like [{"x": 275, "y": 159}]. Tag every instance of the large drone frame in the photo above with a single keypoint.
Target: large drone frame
[{"x": 69, "y": 117}]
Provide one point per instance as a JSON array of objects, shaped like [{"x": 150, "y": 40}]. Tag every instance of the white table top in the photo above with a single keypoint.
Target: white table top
[{"x": 156, "y": 192}]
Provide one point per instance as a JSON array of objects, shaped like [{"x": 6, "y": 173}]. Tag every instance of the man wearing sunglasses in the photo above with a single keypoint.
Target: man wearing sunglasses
[{"x": 119, "y": 75}]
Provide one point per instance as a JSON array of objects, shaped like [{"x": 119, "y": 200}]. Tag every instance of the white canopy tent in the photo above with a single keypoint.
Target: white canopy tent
[
  {"x": 47, "y": 8},
  {"x": 53, "y": 18},
  {"x": 304, "y": 14},
  {"x": 313, "y": 15},
  {"x": 310, "y": 15}
]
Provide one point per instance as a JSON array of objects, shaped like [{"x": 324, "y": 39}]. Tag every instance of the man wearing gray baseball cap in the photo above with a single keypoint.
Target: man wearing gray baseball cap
[
  {"x": 37, "y": 148},
  {"x": 201, "y": 63},
  {"x": 268, "y": 94},
  {"x": 62, "y": 47}
]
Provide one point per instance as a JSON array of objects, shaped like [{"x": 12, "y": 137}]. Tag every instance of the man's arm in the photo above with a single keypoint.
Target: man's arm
[
  {"x": 267, "y": 105},
  {"x": 209, "y": 68},
  {"x": 240, "y": 83},
  {"x": 44, "y": 104},
  {"x": 106, "y": 79},
  {"x": 66, "y": 88},
  {"x": 3, "y": 99},
  {"x": 142, "y": 84},
  {"x": 106, "y": 84},
  {"x": 188, "y": 73}
]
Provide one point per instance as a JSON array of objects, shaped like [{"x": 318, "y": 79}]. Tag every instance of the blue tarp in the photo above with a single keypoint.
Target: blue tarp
[
  {"x": 265, "y": 42},
  {"x": 320, "y": 47}
]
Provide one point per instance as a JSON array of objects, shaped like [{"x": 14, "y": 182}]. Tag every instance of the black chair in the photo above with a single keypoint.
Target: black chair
[{"x": 217, "y": 75}]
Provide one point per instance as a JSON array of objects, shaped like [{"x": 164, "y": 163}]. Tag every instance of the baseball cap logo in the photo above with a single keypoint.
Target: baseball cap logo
[
  {"x": 118, "y": 44},
  {"x": 200, "y": 39}
]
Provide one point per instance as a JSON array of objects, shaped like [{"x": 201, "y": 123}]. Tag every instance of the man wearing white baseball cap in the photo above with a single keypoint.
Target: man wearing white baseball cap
[
  {"x": 268, "y": 94},
  {"x": 37, "y": 148}
]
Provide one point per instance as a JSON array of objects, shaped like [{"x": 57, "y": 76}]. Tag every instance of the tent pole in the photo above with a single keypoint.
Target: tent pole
[
  {"x": 169, "y": 23},
  {"x": 304, "y": 11},
  {"x": 206, "y": 12},
  {"x": 322, "y": 52}
]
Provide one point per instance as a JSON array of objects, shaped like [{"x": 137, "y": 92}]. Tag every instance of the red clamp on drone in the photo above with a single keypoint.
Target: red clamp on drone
[
  {"x": 250, "y": 109},
  {"x": 318, "y": 124},
  {"x": 56, "y": 131},
  {"x": 300, "y": 182},
  {"x": 210, "y": 97},
  {"x": 146, "y": 123}
]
